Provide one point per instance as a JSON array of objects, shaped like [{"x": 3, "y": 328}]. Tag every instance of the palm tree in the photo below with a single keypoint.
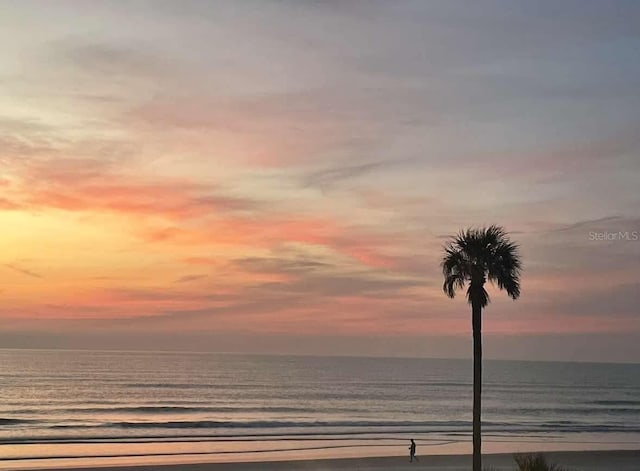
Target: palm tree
[{"x": 475, "y": 256}]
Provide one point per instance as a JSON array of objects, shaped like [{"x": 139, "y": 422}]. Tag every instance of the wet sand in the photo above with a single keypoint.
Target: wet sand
[{"x": 624, "y": 460}]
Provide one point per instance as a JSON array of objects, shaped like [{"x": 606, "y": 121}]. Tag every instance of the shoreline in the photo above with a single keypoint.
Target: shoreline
[
  {"x": 174, "y": 456},
  {"x": 613, "y": 460}
]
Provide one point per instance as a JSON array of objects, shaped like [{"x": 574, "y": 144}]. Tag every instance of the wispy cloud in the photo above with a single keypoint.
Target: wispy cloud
[
  {"x": 23, "y": 270},
  {"x": 109, "y": 59},
  {"x": 588, "y": 223},
  {"x": 93, "y": 184},
  {"x": 190, "y": 278},
  {"x": 328, "y": 177}
]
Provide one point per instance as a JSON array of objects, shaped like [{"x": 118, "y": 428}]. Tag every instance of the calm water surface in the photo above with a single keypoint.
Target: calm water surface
[{"x": 207, "y": 407}]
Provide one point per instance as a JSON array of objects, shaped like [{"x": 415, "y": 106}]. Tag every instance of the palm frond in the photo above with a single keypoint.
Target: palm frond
[
  {"x": 505, "y": 267},
  {"x": 479, "y": 295},
  {"x": 453, "y": 282},
  {"x": 475, "y": 255}
]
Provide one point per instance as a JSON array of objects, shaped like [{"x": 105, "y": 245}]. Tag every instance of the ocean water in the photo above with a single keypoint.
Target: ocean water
[{"x": 58, "y": 407}]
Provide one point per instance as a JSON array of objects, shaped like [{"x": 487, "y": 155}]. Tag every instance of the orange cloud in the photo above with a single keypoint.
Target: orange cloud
[
  {"x": 269, "y": 232},
  {"x": 170, "y": 200},
  {"x": 8, "y": 205}
]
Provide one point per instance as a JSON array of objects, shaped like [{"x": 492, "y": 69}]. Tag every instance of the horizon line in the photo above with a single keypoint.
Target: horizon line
[{"x": 307, "y": 355}]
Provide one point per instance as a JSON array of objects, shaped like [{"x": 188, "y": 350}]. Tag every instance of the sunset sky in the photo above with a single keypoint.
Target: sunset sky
[{"x": 280, "y": 176}]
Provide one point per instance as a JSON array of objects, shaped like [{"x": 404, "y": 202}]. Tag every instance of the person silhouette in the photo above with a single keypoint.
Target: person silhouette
[{"x": 412, "y": 452}]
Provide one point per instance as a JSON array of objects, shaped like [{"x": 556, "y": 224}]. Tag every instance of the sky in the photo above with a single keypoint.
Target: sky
[{"x": 281, "y": 176}]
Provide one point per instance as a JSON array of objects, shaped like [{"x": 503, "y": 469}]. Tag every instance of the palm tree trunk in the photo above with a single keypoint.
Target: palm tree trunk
[{"x": 477, "y": 383}]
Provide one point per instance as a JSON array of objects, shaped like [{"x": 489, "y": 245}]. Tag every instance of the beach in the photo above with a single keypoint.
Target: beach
[
  {"x": 105, "y": 409},
  {"x": 615, "y": 460}
]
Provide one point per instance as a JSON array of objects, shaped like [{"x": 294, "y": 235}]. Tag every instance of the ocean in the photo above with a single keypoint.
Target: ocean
[{"x": 60, "y": 407}]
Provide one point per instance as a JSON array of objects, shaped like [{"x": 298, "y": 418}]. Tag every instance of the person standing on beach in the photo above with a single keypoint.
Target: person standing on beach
[{"x": 412, "y": 452}]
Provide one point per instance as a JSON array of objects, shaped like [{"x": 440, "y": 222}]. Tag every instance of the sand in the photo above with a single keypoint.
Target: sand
[{"x": 624, "y": 460}]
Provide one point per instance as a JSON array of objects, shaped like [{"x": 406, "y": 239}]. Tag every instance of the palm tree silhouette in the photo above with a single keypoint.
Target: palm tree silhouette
[{"x": 475, "y": 256}]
